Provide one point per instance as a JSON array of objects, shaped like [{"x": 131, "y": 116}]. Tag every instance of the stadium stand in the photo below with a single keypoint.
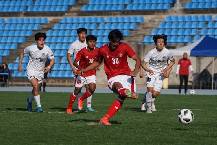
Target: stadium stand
[
  {"x": 201, "y": 5},
  {"x": 128, "y": 5},
  {"x": 185, "y": 29}
]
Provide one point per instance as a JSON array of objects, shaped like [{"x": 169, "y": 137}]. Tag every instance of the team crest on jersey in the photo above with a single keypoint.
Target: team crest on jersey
[
  {"x": 87, "y": 57},
  {"x": 120, "y": 55}
]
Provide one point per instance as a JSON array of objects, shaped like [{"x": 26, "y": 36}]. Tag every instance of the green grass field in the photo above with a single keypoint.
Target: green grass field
[{"x": 130, "y": 126}]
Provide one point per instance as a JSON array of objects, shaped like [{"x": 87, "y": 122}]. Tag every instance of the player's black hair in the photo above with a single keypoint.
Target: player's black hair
[
  {"x": 115, "y": 35},
  {"x": 79, "y": 30},
  {"x": 162, "y": 36},
  {"x": 91, "y": 37},
  {"x": 40, "y": 34}
]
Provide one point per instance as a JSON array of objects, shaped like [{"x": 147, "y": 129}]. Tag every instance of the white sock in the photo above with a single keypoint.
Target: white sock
[
  {"x": 149, "y": 99},
  {"x": 30, "y": 98},
  {"x": 89, "y": 99},
  {"x": 37, "y": 100},
  {"x": 153, "y": 99}
]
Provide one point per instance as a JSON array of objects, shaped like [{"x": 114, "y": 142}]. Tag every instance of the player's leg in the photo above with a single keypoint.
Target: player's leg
[
  {"x": 29, "y": 102},
  {"x": 181, "y": 83},
  {"x": 90, "y": 88},
  {"x": 72, "y": 98},
  {"x": 35, "y": 85},
  {"x": 186, "y": 83},
  {"x": 90, "y": 80},
  {"x": 155, "y": 94},
  {"x": 156, "y": 91},
  {"x": 44, "y": 84},
  {"x": 121, "y": 85}
]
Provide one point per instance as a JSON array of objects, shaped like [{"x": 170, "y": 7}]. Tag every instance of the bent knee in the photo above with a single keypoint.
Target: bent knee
[{"x": 155, "y": 94}]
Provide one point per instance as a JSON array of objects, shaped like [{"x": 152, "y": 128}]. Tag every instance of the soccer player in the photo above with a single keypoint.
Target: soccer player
[
  {"x": 158, "y": 64},
  {"x": 120, "y": 77},
  {"x": 38, "y": 54},
  {"x": 72, "y": 51},
  {"x": 84, "y": 58}
]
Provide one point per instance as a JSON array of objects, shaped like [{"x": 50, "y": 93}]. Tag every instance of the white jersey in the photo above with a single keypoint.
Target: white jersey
[
  {"x": 158, "y": 60},
  {"x": 37, "y": 57},
  {"x": 76, "y": 46}
]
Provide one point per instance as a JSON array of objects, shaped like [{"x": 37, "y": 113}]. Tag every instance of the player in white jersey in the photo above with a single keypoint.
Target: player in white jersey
[
  {"x": 158, "y": 64},
  {"x": 38, "y": 54},
  {"x": 72, "y": 51}
]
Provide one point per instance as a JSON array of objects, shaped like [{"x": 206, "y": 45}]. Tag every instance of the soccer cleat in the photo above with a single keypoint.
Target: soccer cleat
[
  {"x": 143, "y": 107},
  {"x": 38, "y": 109},
  {"x": 80, "y": 104},
  {"x": 148, "y": 110},
  {"x": 69, "y": 111},
  {"x": 153, "y": 108},
  {"x": 130, "y": 94},
  {"x": 104, "y": 121},
  {"x": 29, "y": 105},
  {"x": 90, "y": 109}
]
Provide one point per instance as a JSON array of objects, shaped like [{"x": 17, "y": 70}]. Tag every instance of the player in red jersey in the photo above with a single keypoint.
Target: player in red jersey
[
  {"x": 120, "y": 77},
  {"x": 84, "y": 58}
]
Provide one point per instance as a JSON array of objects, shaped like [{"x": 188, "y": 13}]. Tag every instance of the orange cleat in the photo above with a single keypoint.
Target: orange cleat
[
  {"x": 69, "y": 111},
  {"x": 105, "y": 121},
  {"x": 80, "y": 104}
]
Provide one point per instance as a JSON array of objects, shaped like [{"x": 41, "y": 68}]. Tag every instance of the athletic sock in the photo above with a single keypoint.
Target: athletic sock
[
  {"x": 89, "y": 101},
  {"x": 71, "y": 101},
  {"x": 149, "y": 99},
  {"x": 113, "y": 109},
  {"x": 37, "y": 100}
]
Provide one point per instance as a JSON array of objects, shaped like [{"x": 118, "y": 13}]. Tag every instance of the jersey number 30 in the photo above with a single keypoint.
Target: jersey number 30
[{"x": 115, "y": 61}]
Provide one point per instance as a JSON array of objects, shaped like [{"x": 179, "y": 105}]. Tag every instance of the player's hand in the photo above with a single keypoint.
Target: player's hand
[
  {"x": 20, "y": 68},
  {"x": 47, "y": 69},
  {"x": 151, "y": 72},
  {"x": 78, "y": 72},
  {"x": 134, "y": 73}
]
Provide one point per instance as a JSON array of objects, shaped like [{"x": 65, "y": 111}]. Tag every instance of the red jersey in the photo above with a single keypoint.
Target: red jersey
[
  {"x": 86, "y": 57},
  {"x": 115, "y": 62},
  {"x": 184, "y": 66}
]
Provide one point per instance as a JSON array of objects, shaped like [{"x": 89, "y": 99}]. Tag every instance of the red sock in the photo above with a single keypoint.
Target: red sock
[
  {"x": 71, "y": 101},
  {"x": 121, "y": 92},
  {"x": 113, "y": 109},
  {"x": 85, "y": 95}
]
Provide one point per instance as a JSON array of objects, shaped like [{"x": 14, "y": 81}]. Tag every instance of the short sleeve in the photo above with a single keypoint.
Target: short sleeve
[
  {"x": 27, "y": 50},
  {"x": 147, "y": 57},
  {"x": 130, "y": 51},
  {"x": 71, "y": 49},
  {"x": 50, "y": 54},
  {"x": 78, "y": 55}
]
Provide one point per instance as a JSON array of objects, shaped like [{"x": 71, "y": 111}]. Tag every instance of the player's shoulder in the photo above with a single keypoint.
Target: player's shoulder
[
  {"x": 46, "y": 47},
  {"x": 75, "y": 43}
]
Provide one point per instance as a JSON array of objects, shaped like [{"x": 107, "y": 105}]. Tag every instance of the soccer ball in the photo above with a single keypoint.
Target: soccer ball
[
  {"x": 192, "y": 92},
  {"x": 186, "y": 116}
]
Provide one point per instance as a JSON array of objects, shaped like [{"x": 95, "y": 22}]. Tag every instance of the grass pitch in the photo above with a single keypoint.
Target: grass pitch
[{"x": 129, "y": 127}]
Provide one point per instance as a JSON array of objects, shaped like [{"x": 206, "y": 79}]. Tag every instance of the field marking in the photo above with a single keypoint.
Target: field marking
[
  {"x": 189, "y": 109},
  {"x": 49, "y": 112}
]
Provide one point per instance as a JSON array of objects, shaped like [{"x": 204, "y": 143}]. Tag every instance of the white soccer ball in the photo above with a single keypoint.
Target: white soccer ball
[
  {"x": 192, "y": 92},
  {"x": 186, "y": 116}
]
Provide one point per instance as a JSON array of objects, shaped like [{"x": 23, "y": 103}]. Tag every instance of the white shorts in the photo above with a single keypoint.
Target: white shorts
[
  {"x": 39, "y": 75},
  {"x": 128, "y": 82},
  {"x": 155, "y": 81},
  {"x": 81, "y": 81}
]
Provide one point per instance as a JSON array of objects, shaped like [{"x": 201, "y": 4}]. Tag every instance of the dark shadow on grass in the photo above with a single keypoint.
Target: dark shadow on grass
[
  {"x": 92, "y": 121},
  {"x": 61, "y": 109},
  {"x": 16, "y": 109},
  {"x": 134, "y": 109}
]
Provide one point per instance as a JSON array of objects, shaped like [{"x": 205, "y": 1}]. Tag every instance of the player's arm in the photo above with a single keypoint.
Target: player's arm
[
  {"x": 47, "y": 68},
  {"x": 137, "y": 65},
  {"x": 94, "y": 65},
  {"x": 20, "y": 67},
  {"x": 168, "y": 69},
  {"x": 146, "y": 68},
  {"x": 71, "y": 62}
]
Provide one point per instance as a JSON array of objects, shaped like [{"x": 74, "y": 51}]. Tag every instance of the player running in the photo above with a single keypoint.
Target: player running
[
  {"x": 84, "y": 58},
  {"x": 120, "y": 77},
  {"x": 38, "y": 54},
  {"x": 72, "y": 51},
  {"x": 158, "y": 64}
]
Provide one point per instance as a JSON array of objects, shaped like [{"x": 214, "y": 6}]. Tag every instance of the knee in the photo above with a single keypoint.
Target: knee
[
  {"x": 91, "y": 90},
  {"x": 155, "y": 94},
  {"x": 76, "y": 91}
]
